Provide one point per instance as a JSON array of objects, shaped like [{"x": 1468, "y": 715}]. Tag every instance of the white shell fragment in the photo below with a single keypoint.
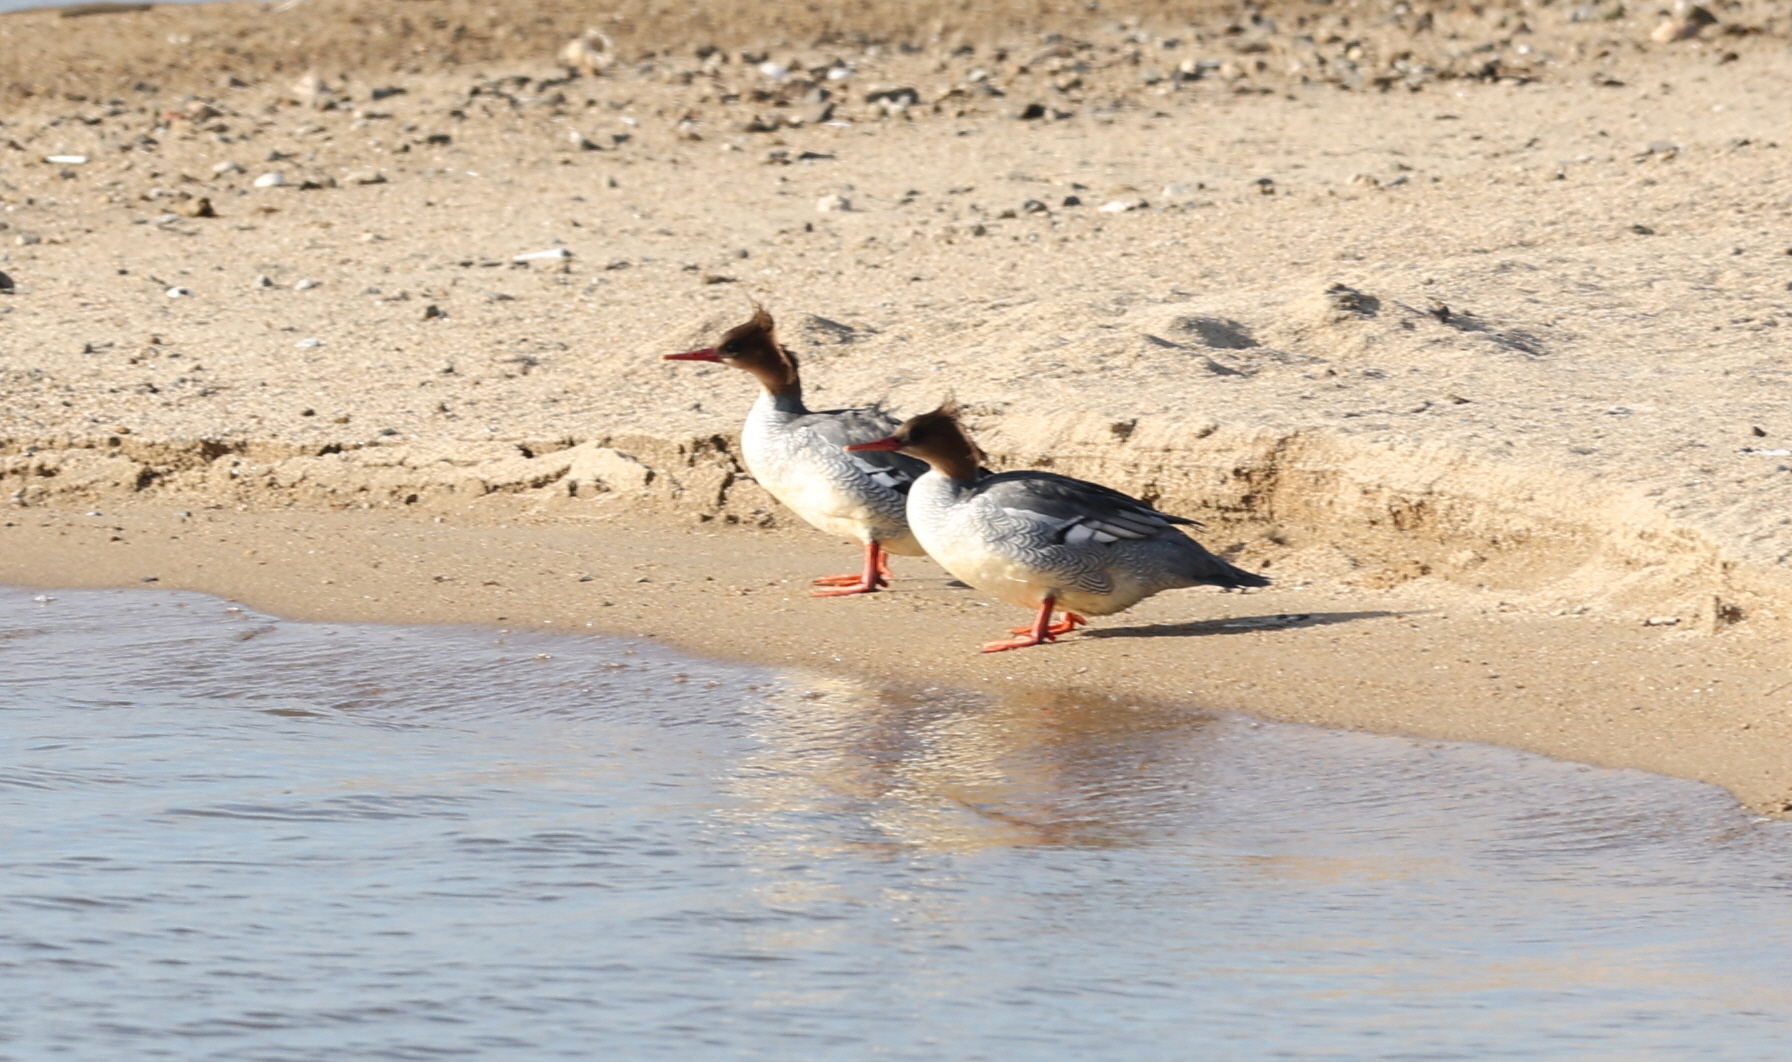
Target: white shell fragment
[
  {"x": 590, "y": 54},
  {"x": 271, "y": 179},
  {"x": 309, "y": 344},
  {"x": 178, "y": 292},
  {"x": 549, "y": 255},
  {"x": 66, "y": 160},
  {"x": 830, "y": 204},
  {"x": 306, "y": 285},
  {"x": 1122, "y": 206}
]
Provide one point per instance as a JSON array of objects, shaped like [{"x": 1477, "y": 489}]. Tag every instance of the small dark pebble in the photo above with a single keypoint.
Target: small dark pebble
[
  {"x": 150, "y": 579},
  {"x": 6, "y": 285},
  {"x": 432, "y": 311},
  {"x": 1071, "y": 200},
  {"x": 1642, "y": 230},
  {"x": 1032, "y": 111},
  {"x": 1034, "y": 206}
]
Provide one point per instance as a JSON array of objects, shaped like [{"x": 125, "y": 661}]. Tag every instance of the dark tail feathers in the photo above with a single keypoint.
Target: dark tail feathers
[{"x": 1232, "y": 577}]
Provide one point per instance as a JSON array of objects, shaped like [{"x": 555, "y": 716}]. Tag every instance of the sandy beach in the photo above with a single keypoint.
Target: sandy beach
[{"x": 1467, "y": 325}]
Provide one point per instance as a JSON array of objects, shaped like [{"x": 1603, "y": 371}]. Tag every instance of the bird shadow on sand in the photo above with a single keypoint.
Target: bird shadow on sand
[{"x": 1239, "y": 624}]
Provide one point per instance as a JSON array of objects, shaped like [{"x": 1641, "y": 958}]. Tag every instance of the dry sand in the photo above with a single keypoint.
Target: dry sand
[{"x": 1468, "y": 325}]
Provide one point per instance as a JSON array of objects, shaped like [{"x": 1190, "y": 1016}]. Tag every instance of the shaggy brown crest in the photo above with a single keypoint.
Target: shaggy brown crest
[
  {"x": 938, "y": 439},
  {"x": 753, "y": 347}
]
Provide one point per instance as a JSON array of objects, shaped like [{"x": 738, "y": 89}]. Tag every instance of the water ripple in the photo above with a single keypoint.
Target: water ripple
[{"x": 229, "y": 837}]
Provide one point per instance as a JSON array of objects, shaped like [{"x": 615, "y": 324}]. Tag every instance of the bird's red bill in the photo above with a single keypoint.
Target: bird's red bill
[{"x": 706, "y": 354}]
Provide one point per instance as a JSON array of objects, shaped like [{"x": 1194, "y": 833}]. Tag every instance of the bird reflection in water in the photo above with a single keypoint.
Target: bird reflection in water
[{"x": 848, "y": 764}]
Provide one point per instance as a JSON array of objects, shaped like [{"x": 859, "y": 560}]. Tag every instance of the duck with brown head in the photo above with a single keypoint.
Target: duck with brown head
[
  {"x": 800, "y": 456},
  {"x": 1041, "y": 540}
]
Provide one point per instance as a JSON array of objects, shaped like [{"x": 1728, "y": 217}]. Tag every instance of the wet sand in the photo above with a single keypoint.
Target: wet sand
[
  {"x": 1465, "y": 325},
  {"x": 1440, "y": 664}
]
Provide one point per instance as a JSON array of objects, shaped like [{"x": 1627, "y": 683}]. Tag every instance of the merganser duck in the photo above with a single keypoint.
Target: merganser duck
[
  {"x": 800, "y": 456},
  {"x": 1042, "y": 540}
]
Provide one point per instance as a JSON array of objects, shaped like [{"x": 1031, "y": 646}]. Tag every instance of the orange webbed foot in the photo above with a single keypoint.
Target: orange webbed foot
[
  {"x": 1070, "y": 622},
  {"x": 858, "y": 586}
]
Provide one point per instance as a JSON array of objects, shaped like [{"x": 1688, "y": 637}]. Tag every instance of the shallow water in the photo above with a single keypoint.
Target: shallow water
[
  {"x": 27, "y": 5},
  {"x": 224, "y": 836}
]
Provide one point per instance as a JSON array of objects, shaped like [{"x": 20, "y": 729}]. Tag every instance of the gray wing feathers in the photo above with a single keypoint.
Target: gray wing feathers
[
  {"x": 1089, "y": 532},
  {"x": 1080, "y": 511},
  {"x": 840, "y": 427}
]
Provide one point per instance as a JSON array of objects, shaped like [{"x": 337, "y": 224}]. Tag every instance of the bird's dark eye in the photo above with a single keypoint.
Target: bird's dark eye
[{"x": 731, "y": 347}]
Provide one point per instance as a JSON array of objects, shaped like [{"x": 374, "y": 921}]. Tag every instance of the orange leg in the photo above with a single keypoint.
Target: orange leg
[
  {"x": 1041, "y": 630},
  {"x": 875, "y": 575}
]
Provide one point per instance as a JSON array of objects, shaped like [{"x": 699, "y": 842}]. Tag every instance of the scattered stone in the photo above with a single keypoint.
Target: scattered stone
[
  {"x": 1265, "y": 185},
  {"x": 264, "y": 281},
  {"x": 1642, "y": 230},
  {"x": 364, "y": 177},
  {"x": 552, "y": 254},
  {"x": 178, "y": 292},
  {"x": 1661, "y": 621},
  {"x": 313, "y": 91},
  {"x": 227, "y": 166},
  {"x": 270, "y": 179},
  {"x": 309, "y": 344},
  {"x": 1687, "y": 22},
  {"x": 6, "y": 285},
  {"x": 1347, "y": 299},
  {"x": 1071, "y": 201},
  {"x": 581, "y": 141},
  {"x": 1032, "y": 111},
  {"x": 591, "y": 53},
  {"x": 1597, "y": 12},
  {"x": 306, "y": 285},
  {"x": 66, "y": 160},
  {"x": 894, "y": 102},
  {"x": 199, "y": 207},
  {"x": 1123, "y": 206},
  {"x": 833, "y": 204},
  {"x": 1034, "y": 206},
  {"x": 433, "y": 312}
]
